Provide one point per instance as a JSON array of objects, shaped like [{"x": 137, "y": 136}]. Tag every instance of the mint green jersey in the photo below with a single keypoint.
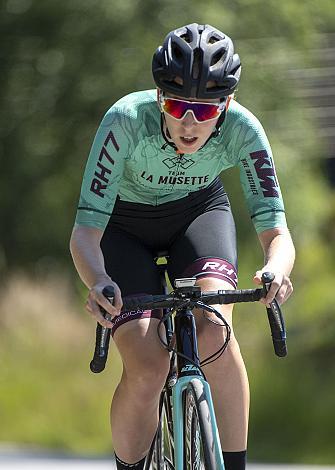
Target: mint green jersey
[{"x": 128, "y": 159}]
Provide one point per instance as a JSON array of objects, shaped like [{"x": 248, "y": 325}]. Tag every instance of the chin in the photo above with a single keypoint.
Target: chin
[{"x": 185, "y": 149}]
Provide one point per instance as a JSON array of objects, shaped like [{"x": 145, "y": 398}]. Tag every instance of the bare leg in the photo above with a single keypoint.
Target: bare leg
[
  {"x": 227, "y": 376},
  {"x": 134, "y": 410}
]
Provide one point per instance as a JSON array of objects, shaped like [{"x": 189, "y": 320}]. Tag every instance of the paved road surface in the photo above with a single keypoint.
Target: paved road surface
[{"x": 16, "y": 460}]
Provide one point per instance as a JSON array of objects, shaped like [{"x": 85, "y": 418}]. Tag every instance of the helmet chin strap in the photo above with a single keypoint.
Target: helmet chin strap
[{"x": 167, "y": 136}]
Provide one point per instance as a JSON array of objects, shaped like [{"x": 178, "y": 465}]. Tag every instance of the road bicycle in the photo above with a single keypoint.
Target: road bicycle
[{"x": 187, "y": 436}]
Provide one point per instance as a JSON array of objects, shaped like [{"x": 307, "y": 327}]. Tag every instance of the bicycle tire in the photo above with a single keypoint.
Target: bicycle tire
[{"x": 199, "y": 452}]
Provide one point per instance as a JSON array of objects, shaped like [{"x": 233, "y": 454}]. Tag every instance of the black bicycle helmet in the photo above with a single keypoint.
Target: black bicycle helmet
[{"x": 197, "y": 54}]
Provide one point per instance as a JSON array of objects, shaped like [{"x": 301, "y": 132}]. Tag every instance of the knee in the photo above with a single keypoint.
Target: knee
[
  {"x": 147, "y": 380},
  {"x": 233, "y": 348},
  {"x": 212, "y": 334},
  {"x": 212, "y": 339}
]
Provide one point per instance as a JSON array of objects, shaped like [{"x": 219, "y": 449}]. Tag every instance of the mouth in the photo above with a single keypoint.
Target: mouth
[{"x": 188, "y": 140}]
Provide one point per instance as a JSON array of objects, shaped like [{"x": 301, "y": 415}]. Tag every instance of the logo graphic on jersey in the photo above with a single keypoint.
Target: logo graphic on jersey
[
  {"x": 102, "y": 173},
  {"x": 175, "y": 177},
  {"x": 182, "y": 162},
  {"x": 249, "y": 175},
  {"x": 188, "y": 180},
  {"x": 266, "y": 173}
]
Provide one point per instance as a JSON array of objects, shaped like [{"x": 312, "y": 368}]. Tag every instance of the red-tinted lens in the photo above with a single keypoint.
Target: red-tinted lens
[
  {"x": 176, "y": 108},
  {"x": 202, "y": 111}
]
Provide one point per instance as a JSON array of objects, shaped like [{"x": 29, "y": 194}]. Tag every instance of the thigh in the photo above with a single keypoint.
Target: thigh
[
  {"x": 140, "y": 348},
  {"x": 132, "y": 266},
  {"x": 130, "y": 263},
  {"x": 207, "y": 247}
]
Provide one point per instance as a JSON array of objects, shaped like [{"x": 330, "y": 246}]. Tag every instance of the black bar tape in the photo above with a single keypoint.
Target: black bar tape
[
  {"x": 232, "y": 296},
  {"x": 131, "y": 304},
  {"x": 278, "y": 332},
  {"x": 147, "y": 302},
  {"x": 102, "y": 337},
  {"x": 276, "y": 319}
]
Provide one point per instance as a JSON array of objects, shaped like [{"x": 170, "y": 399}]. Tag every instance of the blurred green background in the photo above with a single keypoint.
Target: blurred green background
[{"x": 62, "y": 66}]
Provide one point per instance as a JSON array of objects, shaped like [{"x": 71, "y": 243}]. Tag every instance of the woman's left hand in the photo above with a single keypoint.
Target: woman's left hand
[{"x": 281, "y": 287}]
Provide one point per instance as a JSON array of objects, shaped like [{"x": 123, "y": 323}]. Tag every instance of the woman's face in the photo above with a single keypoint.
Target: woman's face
[{"x": 188, "y": 134}]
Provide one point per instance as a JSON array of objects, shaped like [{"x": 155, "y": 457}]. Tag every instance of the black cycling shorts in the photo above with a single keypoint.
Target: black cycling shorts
[{"x": 197, "y": 231}]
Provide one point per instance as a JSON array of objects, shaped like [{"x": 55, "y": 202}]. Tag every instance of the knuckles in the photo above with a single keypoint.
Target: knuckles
[{"x": 281, "y": 289}]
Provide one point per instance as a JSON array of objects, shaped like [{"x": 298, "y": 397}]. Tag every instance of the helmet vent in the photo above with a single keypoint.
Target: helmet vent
[
  {"x": 186, "y": 38},
  {"x": 196, "y": 65},
  {"x": 176, "y": 52},
  {"x": 216, "y": 58},
  {"x": 213, "y": 40}
]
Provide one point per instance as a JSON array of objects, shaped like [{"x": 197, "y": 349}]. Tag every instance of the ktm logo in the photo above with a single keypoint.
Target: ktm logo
[{"x": 266, "y": 173}]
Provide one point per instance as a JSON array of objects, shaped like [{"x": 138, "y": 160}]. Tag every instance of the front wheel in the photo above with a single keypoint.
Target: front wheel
[{"x": 199, "y": 434}]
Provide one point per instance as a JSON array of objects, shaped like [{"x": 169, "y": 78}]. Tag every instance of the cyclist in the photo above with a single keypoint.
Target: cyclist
[{"x": 152, "y": 183}]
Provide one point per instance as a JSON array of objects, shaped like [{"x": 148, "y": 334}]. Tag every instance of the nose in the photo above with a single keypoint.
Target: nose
[{"x": 188, "y": 119}]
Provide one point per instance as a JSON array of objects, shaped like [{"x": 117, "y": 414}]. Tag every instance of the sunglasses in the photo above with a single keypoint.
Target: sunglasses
[{"x": 201, "y": 111}]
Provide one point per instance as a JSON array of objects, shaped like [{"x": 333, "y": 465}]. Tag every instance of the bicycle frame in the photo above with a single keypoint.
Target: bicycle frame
[
  {"x": 186, "y": 340},
  {"x": 185, "y": 331}
]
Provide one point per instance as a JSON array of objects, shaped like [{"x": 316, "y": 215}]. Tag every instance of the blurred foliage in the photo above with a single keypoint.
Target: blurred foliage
[
  {"x": 47, "y": 398},
  {"x": 63, "y": 64}
]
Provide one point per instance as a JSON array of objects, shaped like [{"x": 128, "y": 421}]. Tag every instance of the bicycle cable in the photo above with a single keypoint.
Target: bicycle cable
[
  {"x": 171, "y": 349},
  {"x": 225, "y": 325},
  {"x": 210, "y": 358}
]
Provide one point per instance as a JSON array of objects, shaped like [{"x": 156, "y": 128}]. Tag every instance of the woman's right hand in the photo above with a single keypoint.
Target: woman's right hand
[{"x": 96, "y": 299}]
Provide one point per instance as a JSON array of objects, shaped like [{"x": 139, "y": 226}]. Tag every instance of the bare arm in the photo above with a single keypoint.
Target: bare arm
[
  {"x": 87, "y": 256},
  {"x": 279, "y": 254},
  {"x": 89, "y": 262}
]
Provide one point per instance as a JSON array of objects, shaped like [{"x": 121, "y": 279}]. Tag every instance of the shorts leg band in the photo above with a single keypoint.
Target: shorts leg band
[
  {"x": 213, "y": 267},
  {"x": 135, "y": 315}
]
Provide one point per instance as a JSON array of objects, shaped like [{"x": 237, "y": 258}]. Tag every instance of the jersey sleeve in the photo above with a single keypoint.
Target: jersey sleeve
[
  {"x": 258, "y": 178},
  {"x": 103, "y": 172}
]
